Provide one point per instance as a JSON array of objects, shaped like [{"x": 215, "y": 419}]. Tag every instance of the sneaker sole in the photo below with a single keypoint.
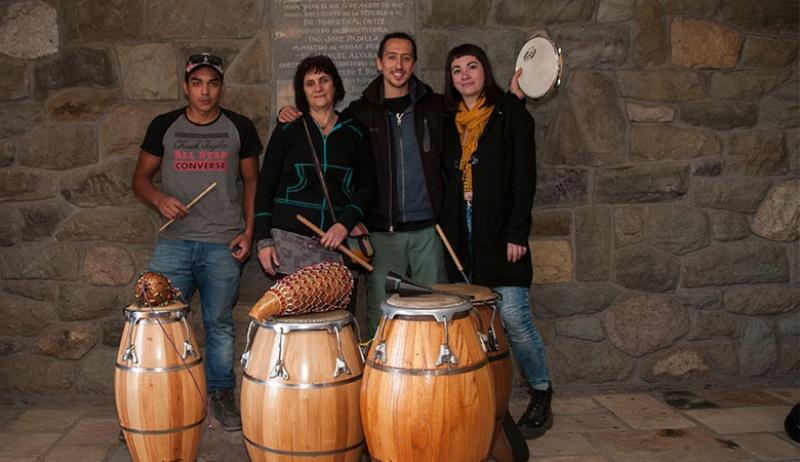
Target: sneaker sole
[{"x": 533, "y": 433}]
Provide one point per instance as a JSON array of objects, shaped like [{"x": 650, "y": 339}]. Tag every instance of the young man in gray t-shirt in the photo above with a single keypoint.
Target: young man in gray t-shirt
[{"x": 204, "y": 248}]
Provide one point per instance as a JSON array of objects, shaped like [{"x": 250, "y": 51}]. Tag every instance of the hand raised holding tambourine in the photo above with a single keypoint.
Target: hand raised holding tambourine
[{"x": 541, "y": 62}]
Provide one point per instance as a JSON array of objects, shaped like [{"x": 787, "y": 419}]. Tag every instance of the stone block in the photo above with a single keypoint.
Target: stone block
[
  {"x": 148, "y": 71},
  {"x": 74, "y": 67},
  {"x": 781, "y": 108},
  {"x": 107, "y": 224},
  {"x": 700, "y": 299},
  {"x": 707, "y": 167},
  {"x": 575, "y": 361},
  {"x": 775, "y": 16},
  {"x": 29, "y": 29},
  {"x": 81, "y": 105},
  {"x": 536, "y": 12},
  {"x": 598, "y": 47},
  {"x": 706, "y": 8},
  {"x": 639, "y": 324},
  {"x": 722, "y": 354},
  {"x": 40, "y": 261},
  {"x": 252, "y": 65},
  {"x": 68, "y": 342},
  {"x": 642, "y": 183},
  {"x": 9, "y": 346},
  {"x": 14, "y": 82},
  {"x": 30, "y": 373},
  {"x": 644, "y": 268},
  {"x": 677, "y": 229},
  {"x": 768, "y": 52},
  {"x": 102, "y": 20},
  {"x": 712, "y": 324},
  {"x": 549, "y": 224},
  {"x": 112, "y": 331},
  {"x": 650, "y": 42},
  {"x": 25, "y": 185},
  {"x": 107, "y": 265},
  {"x": 552, "y": 261},
  {"x": 8, "y": 152},
  {"x": 745, "y": 85},
  {"x": 667, "y": 142},
  {"x": 614, "y": 10},
  {"x": 11, "y": 224},
  {"x": 122, "y": 131},
  {"x": 789, "y": 325},
  {"x": 560, "y": 187},
  {"x": 108, "y": 183},
  {"x": 758, "y": 348},
  {"x": 563, "y": 300},
  {"x": 679, "y": 364},
  {"x": 732, "y": 194},
  {"x": 738, "y": 262},
  {"x": 757, "y": 153},
  {"x": 720, "y": 115},
  {"x": 646, "y": 113},
  {"x": 590, "y": 126},
  {"x": 789, "y": 362},
  {"x": 628, "y": 225},
  {"x": 252, "y": 102},
  {"x": 95, "y": 375},
  {"x": 43, "y": 291},
  {"x": 170, "y": 20},
  {"x": 593, "y": 239},
  {"x": 41, "y": 220},
  {"x": 661, "y": 85},
  {"x": 700, "y": 43},
  {"x": 586, "y": 328},
  {"x": 729, "y": 226},
  {"x": 60, "y": 147},
  {"x": 18, "y": 118},
  {"x": 83, "y": 302},
  {"x": 24, "y": 316},
  {"x": 439, "y": 13},
  {"x": 761, "y": 300}
]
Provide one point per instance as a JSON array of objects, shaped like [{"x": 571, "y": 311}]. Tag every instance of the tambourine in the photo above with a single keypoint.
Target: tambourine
[{"x": 541, "y": 62}]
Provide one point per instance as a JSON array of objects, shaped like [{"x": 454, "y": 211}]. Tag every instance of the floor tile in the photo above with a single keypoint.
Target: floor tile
[
  {"x": 30, "y": 444},
  {"x": 44, "y": 421},
  {"x": 586, "y": 458},
  {"x": 585, "y": 423},
  {"x": 685, "y": 400},
  {"x": 742, "y": 419},
  {"x": 672, "y": 445},
  {"x": 560, "y": 444},
  {"x": 70, "y": 453},
  {"x": 739, "y": 397},
  {"x": 767, "y": 446},
  {"x": 575, "y": 405},
  {"x": 642, "y": 411},
  {"x": 789, "y": 395},
  {"x": 94, "y": 431}
]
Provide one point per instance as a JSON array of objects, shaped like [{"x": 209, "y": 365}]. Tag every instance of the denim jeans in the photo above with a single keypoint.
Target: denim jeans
[
  {"x": 210, "y": 268},
  {"x": 515, "y": 313}
]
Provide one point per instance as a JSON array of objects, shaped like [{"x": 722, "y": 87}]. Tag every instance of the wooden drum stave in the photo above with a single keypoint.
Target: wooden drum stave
[
  {"x": 159, "y": 384},
  {"x": 427, "y": 393},
  {"x": 300, "y": 392}
]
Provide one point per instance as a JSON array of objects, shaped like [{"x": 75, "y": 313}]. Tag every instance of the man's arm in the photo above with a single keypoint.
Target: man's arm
[
  {"x": 146, "y": 167},
  {"x": 242, "y": 244}
]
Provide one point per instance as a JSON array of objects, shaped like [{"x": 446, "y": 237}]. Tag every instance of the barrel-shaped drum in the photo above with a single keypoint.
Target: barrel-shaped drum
[
  {"x": 300, "y": 392},
  {"x": 159, "y": 384},
  {"x": 428, "y": 393}
]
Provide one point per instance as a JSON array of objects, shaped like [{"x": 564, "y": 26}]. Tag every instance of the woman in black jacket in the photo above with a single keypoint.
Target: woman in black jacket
[
  {"x": 289, "y": 183},
  {"x": 490, "y": 155}
]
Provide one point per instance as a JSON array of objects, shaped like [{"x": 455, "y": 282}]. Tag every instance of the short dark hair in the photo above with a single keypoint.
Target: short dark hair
[
  {"x": 491, "y": 91},
  {"x": 316, "y": 64},
  {"x": 401, "y": 36}
]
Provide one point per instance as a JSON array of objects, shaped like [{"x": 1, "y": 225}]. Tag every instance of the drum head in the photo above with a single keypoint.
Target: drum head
[
  {"x": 439, "y": 306},
  {"x": 474, "y": 292},
  {"x": 540, "y": 61},
  {"x": 311, "y": 321}
]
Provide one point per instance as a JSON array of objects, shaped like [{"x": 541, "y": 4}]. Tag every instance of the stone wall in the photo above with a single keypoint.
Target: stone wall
[{"x": 667, "y": 211}]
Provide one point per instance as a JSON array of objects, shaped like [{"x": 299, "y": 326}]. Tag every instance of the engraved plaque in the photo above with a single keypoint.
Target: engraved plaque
[{"x": 348, "y": 32}]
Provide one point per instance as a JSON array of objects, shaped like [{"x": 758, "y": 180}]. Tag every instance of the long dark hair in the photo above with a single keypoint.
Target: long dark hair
[
  {"x": 491, "y": 91},
  {"x": 315, "y": 64}
]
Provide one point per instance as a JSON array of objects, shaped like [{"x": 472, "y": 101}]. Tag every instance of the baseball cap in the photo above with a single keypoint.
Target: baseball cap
[{"x": 199, "y": 60}]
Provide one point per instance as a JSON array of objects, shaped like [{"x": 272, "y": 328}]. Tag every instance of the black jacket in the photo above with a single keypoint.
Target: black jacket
[
  {"x": 503, "y": 182},
  {"x": 429, "y": 118},
  {"x": 289, "y": 185}
]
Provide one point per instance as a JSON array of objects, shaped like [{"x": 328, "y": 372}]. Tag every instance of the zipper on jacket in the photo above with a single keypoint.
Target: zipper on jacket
[
  {"x": 401, "y": 199},
  {"x": 391, "y": 175}
]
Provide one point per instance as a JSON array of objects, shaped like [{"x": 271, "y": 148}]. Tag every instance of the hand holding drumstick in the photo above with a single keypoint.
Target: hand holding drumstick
[{"x": 184, "y": 210}]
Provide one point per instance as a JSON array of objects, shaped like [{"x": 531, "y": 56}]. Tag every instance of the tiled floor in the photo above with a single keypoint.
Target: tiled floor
[{"x": 703, "y": 425}]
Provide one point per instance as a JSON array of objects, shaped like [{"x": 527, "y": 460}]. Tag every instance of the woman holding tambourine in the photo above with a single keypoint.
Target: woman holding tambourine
[{"x": 490, "y": 156}]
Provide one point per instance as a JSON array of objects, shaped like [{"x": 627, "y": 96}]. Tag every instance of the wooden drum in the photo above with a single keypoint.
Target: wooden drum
[
  {"x": 159, "y": 384},
  {"x": 428, "y": 393},
  {"x": 300, "y": 392}
]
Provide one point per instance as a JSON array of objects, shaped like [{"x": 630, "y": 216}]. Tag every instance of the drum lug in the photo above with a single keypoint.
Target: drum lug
[
  {"x": 484, "y": 342},
  {"x": 279, "y": 371},
  {"x": 445, "y": 355},
  {"x": 341, "y": 368},
  {"x": 188, "y": 349},
  {"x": 130, "y": 354},
  {"x": 245, "y": 359},
  {"x": 246, "y": 355},
  {"x": 494, "y": 345},
  {"x": 380, "y": 352}
]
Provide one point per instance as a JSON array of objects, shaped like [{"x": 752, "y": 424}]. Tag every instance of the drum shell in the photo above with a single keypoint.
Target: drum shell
[
  {"x": 499, "y": 359},
  {"x": 413, "y": 410},
  {"x": 160, "y": 399},
  {"x": 312, "y": 415}
]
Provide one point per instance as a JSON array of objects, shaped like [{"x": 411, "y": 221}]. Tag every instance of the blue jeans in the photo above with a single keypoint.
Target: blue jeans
[
  {"x": 515, "y": 313},
  {"x": 211, "y": 268}
]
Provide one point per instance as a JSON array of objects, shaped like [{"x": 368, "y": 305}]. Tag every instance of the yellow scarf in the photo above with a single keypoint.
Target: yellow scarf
[{"x": 470, "y": 124}]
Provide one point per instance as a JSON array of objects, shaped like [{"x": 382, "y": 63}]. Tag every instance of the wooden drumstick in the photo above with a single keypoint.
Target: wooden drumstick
[
  {"x": 190, "y": 205},
  {"x": 453, "y": 255},
  {"x": 342, "y": 248}
]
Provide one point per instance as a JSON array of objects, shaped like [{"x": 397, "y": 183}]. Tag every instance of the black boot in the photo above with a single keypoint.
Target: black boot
[
  {"x": 538, "y": 418},
  {"x": 225, "y": 410}
]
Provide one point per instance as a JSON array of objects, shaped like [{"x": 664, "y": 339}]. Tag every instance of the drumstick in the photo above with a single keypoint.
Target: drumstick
[
  {"x": 190, "y": 204},
  {"x": 342, "y": 248},
  {"x": 452, "y": 253}
]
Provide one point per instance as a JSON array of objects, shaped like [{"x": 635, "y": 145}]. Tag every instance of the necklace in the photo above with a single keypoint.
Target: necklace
[{"x": 324, "y": 125}]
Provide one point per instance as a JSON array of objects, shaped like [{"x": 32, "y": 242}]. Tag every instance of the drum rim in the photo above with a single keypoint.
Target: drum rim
[
  {"x": 475, "y": 298},
  {"x": 557, "y": 66},
  {"x": 440, "y": 314},
  {"x": 287, "y": 324},
  {"x": 174, "y": 310}
]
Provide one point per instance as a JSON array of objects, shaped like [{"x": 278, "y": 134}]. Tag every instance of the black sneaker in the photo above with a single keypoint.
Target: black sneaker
[
  {"x": 538, "y": 418},
  {"x": 225, "y": 410}
]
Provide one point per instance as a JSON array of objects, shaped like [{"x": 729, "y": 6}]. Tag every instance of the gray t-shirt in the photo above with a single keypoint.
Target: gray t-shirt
[{"x": 195, "y": 156}]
